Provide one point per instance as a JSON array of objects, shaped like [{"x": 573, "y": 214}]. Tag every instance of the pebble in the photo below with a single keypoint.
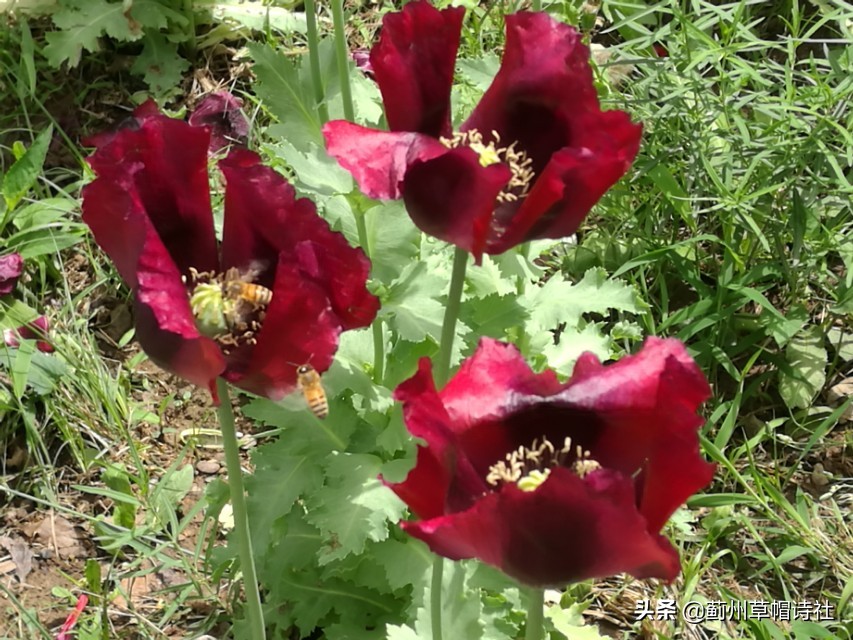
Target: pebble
[{"x": 207, "y": 466}]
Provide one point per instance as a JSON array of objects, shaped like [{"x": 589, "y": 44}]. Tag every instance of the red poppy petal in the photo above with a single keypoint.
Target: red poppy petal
[
  {"x": 197, "y": 358},
  {"x": 222, "y": 113},
  {"x": 413, "y": 63},
  {"x": 451, "y": 481},
  {"x": 485, "y": 386},
  {"x": 425, "y": 488},
  {"x": 543, "y": 85},
  {"x": 566, "y": 530},
  {"x": 572, "y": 182},
  {"x": 147, "y": 109},
  {"x": 299, "y": 328},
  {"x": 342, "y": 270},
  {"x": 11, "y": 266},
  {"x": 453, "y": 198},
  {"x": 646, "y": 405},
  {"x": 265, "y": 221},
  {"x": 35, "y": 330},
  {"x": 165, "y": 325},
  {"x": 378, "y": 160},
  {"x": 163, "y": 164}
]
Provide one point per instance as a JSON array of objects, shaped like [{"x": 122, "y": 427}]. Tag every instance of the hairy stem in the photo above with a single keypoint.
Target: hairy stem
[
  {"x": 241, "y": 516},
  {"x": 314, "y": 58},
  {"x": 535, "y": 615},
  {"x": 435, "y": 598},
  {"x": 342, "y": 56},
  {"x": 451, "y": 314}
]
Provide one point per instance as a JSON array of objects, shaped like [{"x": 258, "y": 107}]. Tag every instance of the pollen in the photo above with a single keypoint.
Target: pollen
[
  {"x": 492, "y": 153},
  {"x": 529, "y": 467},
  {"x": 219, "y": 314}
]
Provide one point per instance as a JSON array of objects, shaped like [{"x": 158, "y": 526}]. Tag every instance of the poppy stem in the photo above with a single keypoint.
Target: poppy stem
[
  {"x": 241, "y": 517},
  {"x": 342, "y": 57},
  {"x": 341, "y": 53},
  {"x": 435, "y": 598},
  {"x": 451, "y": 313},
  {"x": 314, "y": 58},
  {"x": 534, "y": 629}
]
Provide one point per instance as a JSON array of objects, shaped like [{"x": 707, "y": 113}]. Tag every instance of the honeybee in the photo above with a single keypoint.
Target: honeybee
[
  {"x": 241, "y": 297},
  {"x": 309, "y": 383}
]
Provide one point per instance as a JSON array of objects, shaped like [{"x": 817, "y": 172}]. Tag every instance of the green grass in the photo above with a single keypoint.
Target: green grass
[{"x": 735, "y": 226}]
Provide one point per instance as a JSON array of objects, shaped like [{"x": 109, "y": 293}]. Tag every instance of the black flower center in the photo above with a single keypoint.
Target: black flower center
[{"x": 529, "y": 467}]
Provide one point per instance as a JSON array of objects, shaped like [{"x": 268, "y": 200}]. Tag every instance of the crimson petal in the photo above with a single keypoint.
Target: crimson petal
[
  {"x": 222, "y": 113},
  {"x": 378, "y": 160},
  {"x": 299, "y": 328},
  {"x": 264, "y": 221},
  {"x": 116, "y": 212},
  {"x": 163, "y": 164},
  {"x": 35, "y": 330},
  {"x": 413, "y": 63},
  {"x": 453, "y": 197},
  {"x": 636, "y": 419},
  {"x": 11, "y": 266},
  {"x": 566, "y": 530}
]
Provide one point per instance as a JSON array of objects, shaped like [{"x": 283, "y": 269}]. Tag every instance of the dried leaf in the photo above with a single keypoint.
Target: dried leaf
[
  {"x": 59, "y": 534},
  {"x": 22, "y": 556}
]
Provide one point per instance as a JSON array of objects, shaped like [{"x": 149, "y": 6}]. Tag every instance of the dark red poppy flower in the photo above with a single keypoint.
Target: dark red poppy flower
[
  {"x": 556, "y": 482},
  {"x": 531, "y": 160},
  {"x": 35, "y": 330},
  {"x": 11, "y": 266},
  {"x": 223, "y": 113},
  {"x": 361, "y": 57},
  {"x": 275, "y": 294}
]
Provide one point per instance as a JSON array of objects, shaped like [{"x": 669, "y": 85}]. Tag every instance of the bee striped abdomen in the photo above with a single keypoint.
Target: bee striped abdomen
[{"x": 308, "y": 381}]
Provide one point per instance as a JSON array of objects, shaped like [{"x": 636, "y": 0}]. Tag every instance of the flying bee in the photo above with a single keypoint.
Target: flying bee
[
  {"x": 242, "y": 297},
  {"x": 308, "y": 381}
]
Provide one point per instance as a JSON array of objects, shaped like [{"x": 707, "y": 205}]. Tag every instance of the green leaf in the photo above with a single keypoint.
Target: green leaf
[
  {"x": 42, "y": 371},
  {"x": 81, "y": 23},
  {"x": 256, "y": 16},
  {"x": 461, "y": 606},
  {"x": 16, "y": 314},
  {"x": 27, "y": 74},
  {"x": 392, "y": 238},
  {"x": 805, "y": 374},
  {"x": 842, "y": 342},
  {"x": 673, "y": 192},
  {"x": 570, "y": 623},
  {"x": 573, "y": 342},
  {"x": 280, "y": 89},
  {"x": 124, "y": 511},
  {"x": 783, "y": 328},
  {"x": 410, "y": 306},
  {"x": 22, "y": 175},
  {"x": 397, "y": 632},
  {"x": 315, "y": 170},
  {"x": 493, "y": 315},
  {"x": 354, "y": 506},
  {"x": 169, "y": 492},
  {"x": 487, "y": 279},
  {"x": 159, "y": 63},
  {"x": 407, "y": 562},
  {"x": 479, "y": 72},
  {"x": 283, "y": 473},
  {"x": 558, "y": 301}
]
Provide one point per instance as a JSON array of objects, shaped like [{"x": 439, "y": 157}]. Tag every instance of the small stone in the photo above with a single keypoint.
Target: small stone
[{"x": 207, "y": 466}]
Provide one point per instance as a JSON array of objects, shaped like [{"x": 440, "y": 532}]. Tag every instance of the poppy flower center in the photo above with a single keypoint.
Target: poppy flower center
[
  {"x": 517, "y": 161},
  {"x": 228, "y": 307},
  {"x": 529, "y": 467}
]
